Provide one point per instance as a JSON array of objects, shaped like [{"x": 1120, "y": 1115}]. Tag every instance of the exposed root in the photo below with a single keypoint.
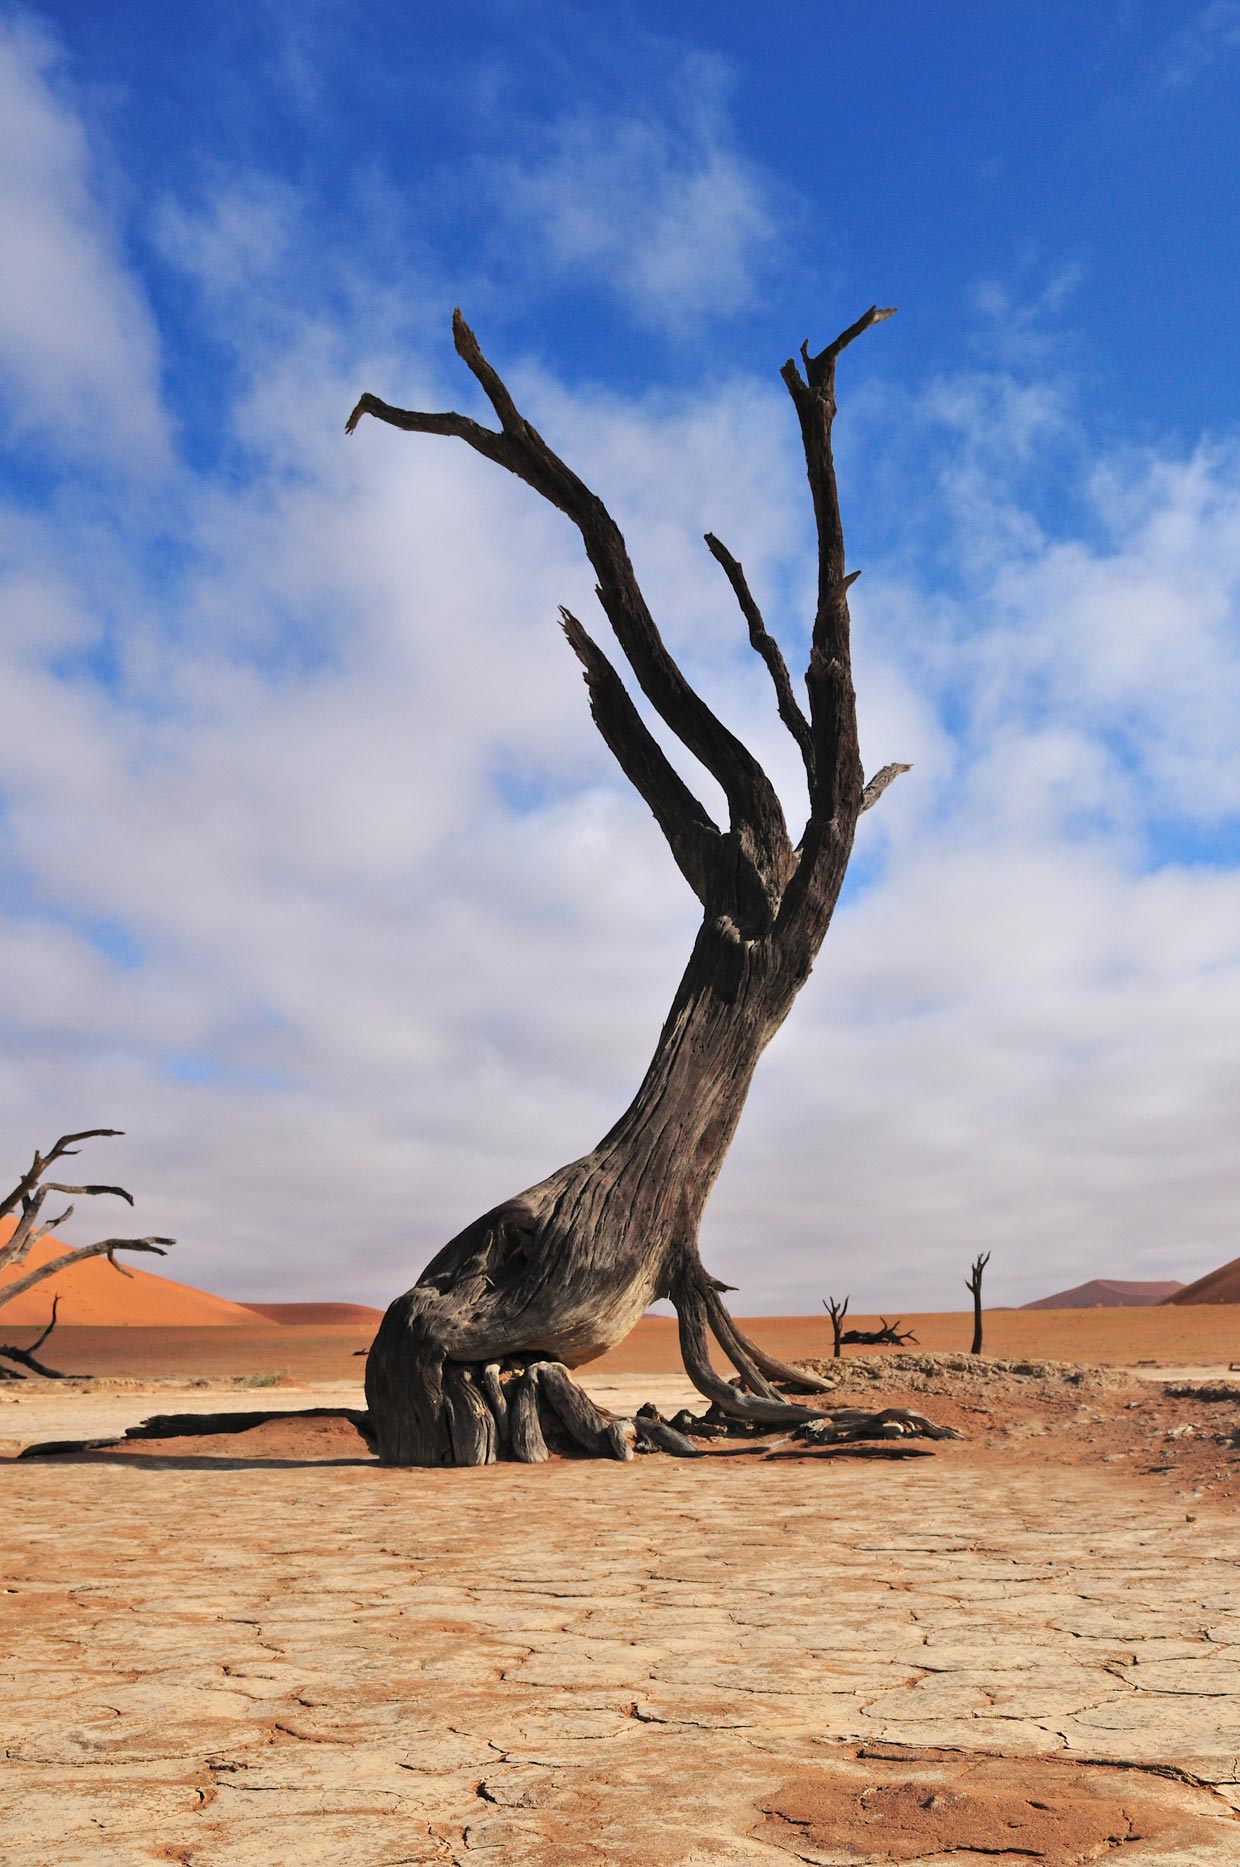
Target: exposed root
[
  {"x": 432, "y": 1405},
  {"x": 691, "y": 1310},
  {"x": 741, "y": 1350},
  {"x": 590, "y": 1428},
  {"x": 471, "y": 1423},
  {"x": 655, "y": 1435},
  {"x": 846, "y": 1425},
  {"x": 493, "y": 1388},
  {"x": 525, "y": 1428}
]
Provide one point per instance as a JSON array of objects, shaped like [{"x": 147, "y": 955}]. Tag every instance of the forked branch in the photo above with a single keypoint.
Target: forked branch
[
  {"x": 828, "y": 679},
  {"x": 755, "y": 810}
]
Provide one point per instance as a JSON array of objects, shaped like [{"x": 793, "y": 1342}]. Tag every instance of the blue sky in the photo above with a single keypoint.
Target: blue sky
[{"x": 316, "y": 880}]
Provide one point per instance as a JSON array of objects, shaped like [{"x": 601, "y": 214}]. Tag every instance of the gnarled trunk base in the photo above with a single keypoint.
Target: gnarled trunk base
[{"x": 427, "y": 1406}]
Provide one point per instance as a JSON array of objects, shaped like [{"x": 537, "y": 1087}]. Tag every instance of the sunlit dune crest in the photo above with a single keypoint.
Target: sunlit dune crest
[
  {"x": 94, "y": 1293},
  {"x": 1108, "y": 1293},
  {"x": 1220, "y": 1286},
  {"x": 316, "y": 1315}
]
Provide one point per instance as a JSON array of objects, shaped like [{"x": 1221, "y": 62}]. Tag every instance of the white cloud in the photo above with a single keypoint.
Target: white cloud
[
  {"x": 659, "y": 204},
  {"x": 79, "y": 363}
]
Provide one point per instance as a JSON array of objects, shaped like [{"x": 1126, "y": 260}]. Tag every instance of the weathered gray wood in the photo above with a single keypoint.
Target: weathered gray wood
[
  {"x": 471, "y": 1425},
  {"x": 496, "y": 1400},
  {"x": 524, "y": 1427},
  {"x": 592, "y": 1429},
  {"x": 655, "y": 1432},
  {"x": 695, "y": 1352}
]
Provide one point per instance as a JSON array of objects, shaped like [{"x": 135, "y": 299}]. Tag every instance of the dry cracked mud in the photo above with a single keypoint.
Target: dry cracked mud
[{"x": 248, "y": 1657}]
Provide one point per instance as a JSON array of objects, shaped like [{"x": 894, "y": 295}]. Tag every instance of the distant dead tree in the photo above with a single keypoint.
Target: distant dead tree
[
  {"x": 887, "y": 1336},
  {"x": 973, "y": 1282},
  {"x": 472, "y": 1362},
  {"x": 27, "y": 1199}
]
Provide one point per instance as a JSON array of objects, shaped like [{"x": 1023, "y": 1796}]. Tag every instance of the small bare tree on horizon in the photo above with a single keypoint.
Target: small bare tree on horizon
[{"x": 973, "y": 1282}]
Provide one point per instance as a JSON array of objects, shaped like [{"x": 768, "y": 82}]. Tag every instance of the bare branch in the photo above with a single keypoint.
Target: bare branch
[
  {"x": 105, "y": 1248},
  {"x": 755, "y": 809},
  {"x": 879, "y": 782},
  {"x": 42, "y": 1162},
  {"x": 769, "y": 649},
  {"x": 817, "y": 367},
  {"x": 460, "y": 426},
  {"x": 470, "y": 352},
  {"x": 828, "y": 678},
  {"x": 692, "y": 835},
  {"x": 41, "y": 1339},
  {"x": 57, "y": 1186},
  {"x": 17, "y": 1253}
]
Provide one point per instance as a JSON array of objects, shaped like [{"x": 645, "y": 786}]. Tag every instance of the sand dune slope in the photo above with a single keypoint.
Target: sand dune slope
[
  {"x": 1107, "y": 1293},
  {"x": 1220, "y": 1286},
  {"x": 317, "y": 1315},
  {"x": 95, "y": 1293}
]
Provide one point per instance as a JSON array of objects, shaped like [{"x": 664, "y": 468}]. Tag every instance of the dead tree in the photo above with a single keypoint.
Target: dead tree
[
  {"x": 471, "y": 1364},
  {"x": 887, "y": 1335},
  {"x": 27, "y": 1199},
  {"x": 973, "y": 1282},
  {"x": 837, "y": 1313}
]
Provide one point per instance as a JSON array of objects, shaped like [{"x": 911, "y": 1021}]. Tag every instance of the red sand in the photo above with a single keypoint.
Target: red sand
[
  {"x": 318, "y": 1315},
  {"x": 1220, "y": 1286},
  {"x": 1207, "y": 1335},
  {"x": 94, "y": 1293}
]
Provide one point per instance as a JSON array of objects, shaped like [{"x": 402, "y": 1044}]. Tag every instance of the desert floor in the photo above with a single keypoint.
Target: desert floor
[{"x": 265, "y": 1649}]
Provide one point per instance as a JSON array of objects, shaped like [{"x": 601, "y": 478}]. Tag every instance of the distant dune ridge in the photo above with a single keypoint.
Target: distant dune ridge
[
  {"x": 1115, "y": 1293},
  {"x": 94, "y": 1293},
  {"x": 1220, "y": 1286},
  {"x": 315, "y": 1315}
]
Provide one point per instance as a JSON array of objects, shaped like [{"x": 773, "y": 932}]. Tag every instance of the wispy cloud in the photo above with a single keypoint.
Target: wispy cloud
[
  {"x": 79, "y": 357},
  {"x": 657, "y": 203},
  {"x": 1212, "y": 35}
]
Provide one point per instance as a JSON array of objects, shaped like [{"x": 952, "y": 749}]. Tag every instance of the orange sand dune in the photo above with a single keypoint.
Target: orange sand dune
[
  {"x": 1220, "y": 1286},
  {"x": 94, "y": 1293},
  {"x": 316, "y": 1315}
]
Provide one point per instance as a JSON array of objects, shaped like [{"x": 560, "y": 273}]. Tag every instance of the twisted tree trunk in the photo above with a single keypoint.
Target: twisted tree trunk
[{"x": 471, "y": 1363}]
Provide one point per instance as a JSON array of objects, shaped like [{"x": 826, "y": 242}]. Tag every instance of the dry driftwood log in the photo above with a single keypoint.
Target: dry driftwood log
[
  {"x": 27, "y": 1199},
  {"x": 562, "y": 1271}
]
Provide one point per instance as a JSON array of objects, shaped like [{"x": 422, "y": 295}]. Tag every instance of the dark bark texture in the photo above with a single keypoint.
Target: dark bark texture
[
  {"x": 471, "y": 1364},
  {"x": 973, "y": 1283}
]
